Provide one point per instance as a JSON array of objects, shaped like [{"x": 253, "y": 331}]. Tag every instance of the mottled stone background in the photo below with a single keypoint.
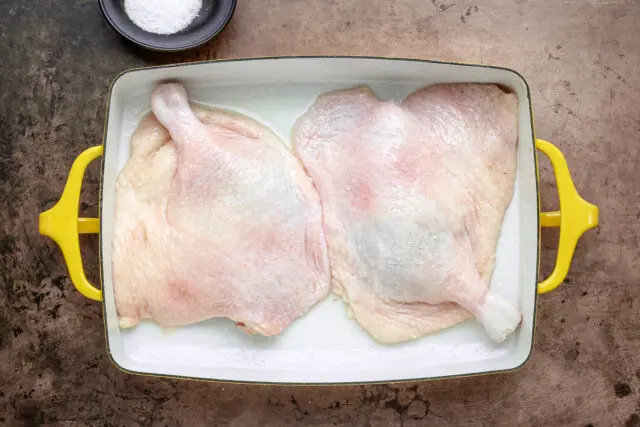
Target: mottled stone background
[{"x": 582, "y": 60}]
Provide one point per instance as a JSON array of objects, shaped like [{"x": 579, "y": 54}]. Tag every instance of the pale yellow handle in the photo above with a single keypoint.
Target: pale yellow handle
[
  {"x": 574, "y": 218},
  {"x": 62, "y": 224}
]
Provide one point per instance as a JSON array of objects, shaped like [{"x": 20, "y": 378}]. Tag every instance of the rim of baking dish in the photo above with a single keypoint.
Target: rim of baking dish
[{"x": 273, "y": 383}]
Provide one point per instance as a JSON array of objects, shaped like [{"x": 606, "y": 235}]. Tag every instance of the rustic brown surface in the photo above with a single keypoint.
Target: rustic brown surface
[{"x": 581, "y": 59}]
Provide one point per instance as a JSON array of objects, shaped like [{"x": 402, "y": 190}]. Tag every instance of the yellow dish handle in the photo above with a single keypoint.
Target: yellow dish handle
[
  {"x": 62, "y": 224},
  {"x": 574, "y": 218}
]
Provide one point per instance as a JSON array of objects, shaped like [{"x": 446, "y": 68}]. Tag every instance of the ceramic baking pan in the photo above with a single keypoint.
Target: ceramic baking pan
[{"x": 325, "y": 346}]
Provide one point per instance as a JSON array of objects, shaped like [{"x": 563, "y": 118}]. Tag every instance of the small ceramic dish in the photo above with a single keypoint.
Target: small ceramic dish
[{"x": 212, "y": 18}]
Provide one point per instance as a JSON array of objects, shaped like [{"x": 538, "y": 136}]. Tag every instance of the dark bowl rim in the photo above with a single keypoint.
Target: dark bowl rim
[{"x": 107, "y": 15}]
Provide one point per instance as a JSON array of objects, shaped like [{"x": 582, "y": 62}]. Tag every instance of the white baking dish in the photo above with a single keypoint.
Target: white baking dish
[{"x": 325, "y": 346}]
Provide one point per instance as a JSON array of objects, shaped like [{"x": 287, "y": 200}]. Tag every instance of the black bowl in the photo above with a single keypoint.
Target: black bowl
[{"x": 213, "y": 17}]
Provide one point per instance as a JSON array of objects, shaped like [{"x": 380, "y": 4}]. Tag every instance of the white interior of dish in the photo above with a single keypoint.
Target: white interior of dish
[{"x": 324, "y": 346}]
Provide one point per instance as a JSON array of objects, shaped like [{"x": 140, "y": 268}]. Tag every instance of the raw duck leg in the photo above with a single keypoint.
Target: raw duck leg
[
  {"x": 413, "y": 198},
  {"x": 214, "y": 217}
]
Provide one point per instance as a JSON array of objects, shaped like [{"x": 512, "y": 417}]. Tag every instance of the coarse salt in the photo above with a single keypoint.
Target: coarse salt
[{"x": 162, "y": 16}]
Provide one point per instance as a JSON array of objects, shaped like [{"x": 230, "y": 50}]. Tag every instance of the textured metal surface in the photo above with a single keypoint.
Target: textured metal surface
[{"x": 581, "y": 60}]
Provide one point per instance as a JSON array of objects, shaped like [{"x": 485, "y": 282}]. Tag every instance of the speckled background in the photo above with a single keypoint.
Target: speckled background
[{"x": 581, "y": 58}]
